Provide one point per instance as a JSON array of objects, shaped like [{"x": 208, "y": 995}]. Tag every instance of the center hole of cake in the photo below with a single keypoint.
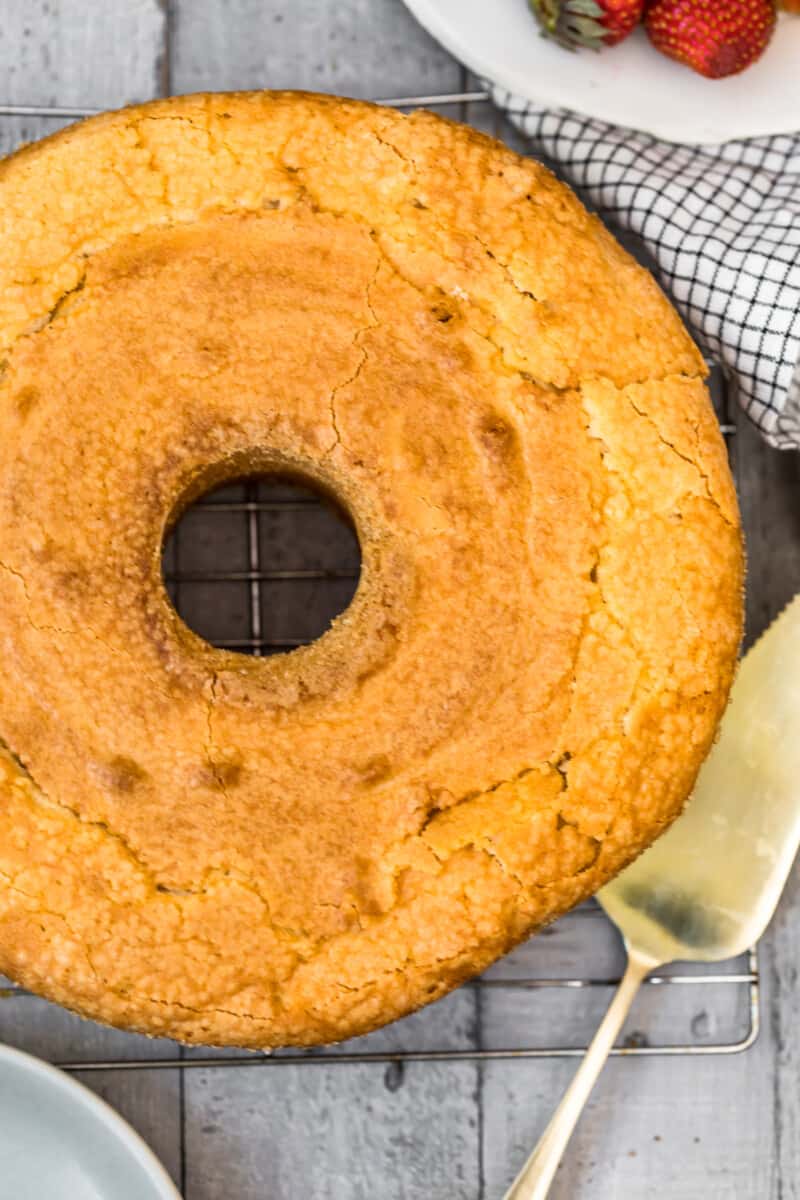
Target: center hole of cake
[{"x": 262, "y": 566}]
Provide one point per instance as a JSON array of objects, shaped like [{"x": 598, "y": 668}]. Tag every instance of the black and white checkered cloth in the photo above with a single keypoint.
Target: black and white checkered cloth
[{"x": 723, "y": 226}]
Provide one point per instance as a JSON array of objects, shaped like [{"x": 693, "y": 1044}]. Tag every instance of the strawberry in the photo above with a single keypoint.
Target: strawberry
[
  {"x": 589, "y": 23},
  {"x": 713, "y": 37}
]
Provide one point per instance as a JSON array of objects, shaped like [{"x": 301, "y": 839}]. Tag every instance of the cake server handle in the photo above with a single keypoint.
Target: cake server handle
[{"x": 535, "y": 1178}]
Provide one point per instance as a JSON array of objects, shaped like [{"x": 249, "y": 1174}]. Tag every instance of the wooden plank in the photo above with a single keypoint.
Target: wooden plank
[
  {"x": 71, "y": 53},
  {"x": 366, "y": 48},
  {"x": 676, "y": 1015},
  {"x": 627, "y": 1144},
  {"x": 675, "y": 1128},
  {"x": 651, "y": 1130},
  {"x": 769, "y": 487},
  {"x": 781, "y": 1010},
  {"x": 328, "y": 1132},
  {"x": 100, "y": 55},
  {"x": 345, "y": 1132}
]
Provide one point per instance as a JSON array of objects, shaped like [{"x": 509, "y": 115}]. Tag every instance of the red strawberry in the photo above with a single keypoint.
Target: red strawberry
[
  {"x": 713, "y": 37},
  {"x": 590, "y": 23}
]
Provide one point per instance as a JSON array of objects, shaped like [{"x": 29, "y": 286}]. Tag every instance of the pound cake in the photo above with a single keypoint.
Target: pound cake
[{"x": 432, "y": 330}]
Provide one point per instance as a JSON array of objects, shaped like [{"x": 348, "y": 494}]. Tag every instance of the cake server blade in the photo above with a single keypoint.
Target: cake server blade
[{"x": 707, "y": 889}]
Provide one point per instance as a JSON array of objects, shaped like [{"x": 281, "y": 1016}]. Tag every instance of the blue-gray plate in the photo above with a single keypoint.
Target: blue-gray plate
[{"x": 58, "y": 1141}]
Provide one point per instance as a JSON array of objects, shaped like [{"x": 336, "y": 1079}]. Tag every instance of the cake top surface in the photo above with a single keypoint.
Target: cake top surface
[{"x": 296, "y": 849}]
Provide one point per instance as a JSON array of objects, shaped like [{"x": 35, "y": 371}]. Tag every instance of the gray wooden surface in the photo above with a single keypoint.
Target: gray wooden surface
[{"x": 677, "y": 1128}]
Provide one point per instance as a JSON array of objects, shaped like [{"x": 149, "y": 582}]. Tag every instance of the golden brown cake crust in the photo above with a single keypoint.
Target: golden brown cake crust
[{"x": 297, "y": 849}]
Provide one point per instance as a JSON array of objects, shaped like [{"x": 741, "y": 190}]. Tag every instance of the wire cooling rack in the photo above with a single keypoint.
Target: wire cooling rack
[{"x": 262, "y": 567}]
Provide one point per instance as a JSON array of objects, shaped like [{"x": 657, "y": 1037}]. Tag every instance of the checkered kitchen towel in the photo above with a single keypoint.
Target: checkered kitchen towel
[{"x": 723, "y": 225}]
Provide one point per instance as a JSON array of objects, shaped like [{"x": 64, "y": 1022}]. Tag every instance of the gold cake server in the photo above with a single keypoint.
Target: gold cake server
[{"x": 707, "y": 889}]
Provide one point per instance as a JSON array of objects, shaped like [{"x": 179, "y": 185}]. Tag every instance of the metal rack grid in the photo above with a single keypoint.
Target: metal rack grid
[{"x": 251, "y": 504}]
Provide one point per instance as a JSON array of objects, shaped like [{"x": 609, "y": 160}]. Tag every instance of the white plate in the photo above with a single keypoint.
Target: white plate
[
  {"x": 630, "y": 84},
  {"x": 58, "y": 1141}
]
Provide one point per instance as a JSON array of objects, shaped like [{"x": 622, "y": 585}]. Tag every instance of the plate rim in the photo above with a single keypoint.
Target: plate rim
[
  {"x": 99, "y": 1108},
  {"x": 428, "y": 14}
]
